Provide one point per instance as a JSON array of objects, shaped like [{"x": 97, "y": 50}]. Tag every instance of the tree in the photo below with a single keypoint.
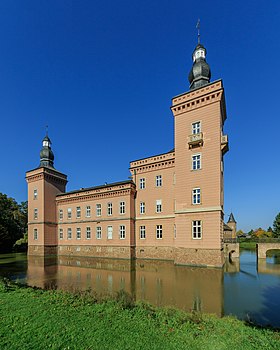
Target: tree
[
  {"x": 276, "y": 225},
  {"x": 13, "y": 221}
]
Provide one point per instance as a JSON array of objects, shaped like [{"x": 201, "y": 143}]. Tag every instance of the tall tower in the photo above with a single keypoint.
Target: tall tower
[
  {"x": 44, "y": 183},
  {"x": 232, "y": 224},
  {"x": 199, "y": 149}
]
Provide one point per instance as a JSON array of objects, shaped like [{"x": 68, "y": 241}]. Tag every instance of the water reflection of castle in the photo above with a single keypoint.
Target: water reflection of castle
[{"x": 158, "y": 282}]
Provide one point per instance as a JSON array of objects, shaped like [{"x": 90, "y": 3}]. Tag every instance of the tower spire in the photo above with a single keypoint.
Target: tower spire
[{"x": 46, "y": 153}]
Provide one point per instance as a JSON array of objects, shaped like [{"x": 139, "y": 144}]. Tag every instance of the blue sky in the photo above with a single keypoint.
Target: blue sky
[{"x": 101, "y": 75}]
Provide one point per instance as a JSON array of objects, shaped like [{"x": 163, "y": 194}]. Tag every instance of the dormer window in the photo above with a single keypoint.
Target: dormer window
[{"x": 199, "y": 53}]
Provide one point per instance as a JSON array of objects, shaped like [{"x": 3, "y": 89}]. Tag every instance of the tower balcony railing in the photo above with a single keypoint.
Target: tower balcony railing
[
  {"x": 224, "y": 143},
  {"x": 195, "y": 140}
]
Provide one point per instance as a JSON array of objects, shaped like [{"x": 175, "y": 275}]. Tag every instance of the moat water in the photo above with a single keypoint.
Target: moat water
[{"x": 246, "y": 288}]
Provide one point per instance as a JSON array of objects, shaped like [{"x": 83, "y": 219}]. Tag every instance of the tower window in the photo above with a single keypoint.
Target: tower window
[
  {"x": 98, "y": 232},
  {"x": 122, "y": 232},
  {"x": 158, "y": 181},
  {"x": 69, "y": 213},
  {"x": 78, "y": 233},
  {"x": 78, "y": 212},
  {"x": 110, "y": 208},
  {"x": 35, "y": 214},
  {"x": 142, "y": 232},
  {"x": 142, "y": 183},
  {"x": 88, "y": 233},
  {"x": 60, "y": 214},
  {"x": 122, "y": 207},
  {"x": 35, "y": 194},
  {"x": 35, "y": 234},
  {"x": 98, "y": 209},
  {"x": 196, "y": 196},
  {"x": 196, "y": 128},
  {"x": 197, "y": 229},
  {"x": 88, "y": 211},
  {"x": 158, "y": 206},
  {"x": 60, "y": 233},
  {"x": 159, "y": 231},
  {"x": 196, "y": 162},
  {"x": 69, "y": 233},
  {"x": 142, "y": 208}
]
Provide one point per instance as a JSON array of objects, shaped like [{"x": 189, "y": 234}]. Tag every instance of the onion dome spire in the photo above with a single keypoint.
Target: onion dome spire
[
  {"x": 200, "y": 73},
  {"x": 46, "y": 154}
]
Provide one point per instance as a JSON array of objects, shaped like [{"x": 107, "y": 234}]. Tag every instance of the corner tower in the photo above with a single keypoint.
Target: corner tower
[
  {"x": 44, "y": 183},
  {"x": 200, "y": 145}
]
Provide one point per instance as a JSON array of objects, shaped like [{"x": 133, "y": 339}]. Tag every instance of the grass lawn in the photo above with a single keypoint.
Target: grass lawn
[{"x": 37, "y": 319}]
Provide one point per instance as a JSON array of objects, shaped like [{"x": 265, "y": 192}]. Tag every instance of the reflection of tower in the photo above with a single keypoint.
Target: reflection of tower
[
  {"x": 200, "y": 145},
  {"x": 232, "y": 224},
  {"x": 44, "y": 183}
]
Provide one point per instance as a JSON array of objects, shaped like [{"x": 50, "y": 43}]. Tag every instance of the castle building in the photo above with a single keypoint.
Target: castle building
[{"x": 172, "y": 208}]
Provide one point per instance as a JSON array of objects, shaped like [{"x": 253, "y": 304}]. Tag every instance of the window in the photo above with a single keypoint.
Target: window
[
  {"x": 142, "y": 183},
  {"x": 196, "y": 196},
  {"x": 110, "y": 209},
  {"x": 98, "y": 209},
  {"x": 158, "y": 181},
  {"x": 69, "y": 233},
  {"x": 142, "y": 232},
  {"x": 35, "y": 194},
  {"x": 98, "y": 232},
  {"x": 69, "y": 213},
  {"x": 35, "y": 234},
  {"x": 60, "y": 233},
  {"x": 122, "y": 207},
  {"x": 88, "y": 211},
  {"x": 196, "y": 128},
  {"x": 159, "y": 231},
  {"x": 35, "y": 214},
  {"x": 78, "y": 233},
  {"x": 158, "y": 205},
  {"x": 88, "y": 233},
  {"x": 60, "y": 214},
  {"x": 122, "y": 232},
  {"x": 142, "y": 208},
  {"x": 196, "y": 161},
  {"x": 110, "y": 232},
  {"x": 196, "y": 229},
  {"x": 78, "y": 212}
]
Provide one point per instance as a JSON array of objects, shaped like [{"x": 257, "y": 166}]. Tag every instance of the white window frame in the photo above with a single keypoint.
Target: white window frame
[
  {"x": 98, "y": 232},
  {"x": 88, "y": 211},
  {"x": 88, "y": 232},
  {"x": 98, "y": 209},
  {"x": 60, "y": 233},
  {"x": 142, "y": 208},
  {"x": 158, "y": 181},
  {"x": 35, "y": 193},
  {"x": 197, "y": 229},
  {"x": 196, "y": 161},
  {"x": 110, "y": 232},
  {"x": 35, "y": 234},
  {"x": 69, "y": 213},
  {"x": 122, "y": 231},
  {"x": 142, "y": 183},
  {"x": 159, "y": 231},
  {"x": 158, "y": 206},
  {"x": 122, "y": 208},
  {"x": 35, "y": 213},
  {"x": 69, "y": 233},
  {"x": 78, "y": 212},
  {"x": 109, "y": 208},
  {"x": 196, "y": 196},
  {"x": 142, "y": 232},
  {"x": 60, "y": 214},
  {"x": 78, "y": 233},
  {"x": 196, "y": 127}
]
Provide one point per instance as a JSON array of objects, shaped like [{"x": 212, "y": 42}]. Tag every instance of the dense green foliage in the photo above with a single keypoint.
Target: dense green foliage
[
  {"x": 276, "y": 225},
  {"x": 13, "y": 222},
  {"x": 37, "y": 319}
]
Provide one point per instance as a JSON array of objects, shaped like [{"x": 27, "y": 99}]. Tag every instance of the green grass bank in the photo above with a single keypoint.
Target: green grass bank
[{"x": 37, "y": 319}]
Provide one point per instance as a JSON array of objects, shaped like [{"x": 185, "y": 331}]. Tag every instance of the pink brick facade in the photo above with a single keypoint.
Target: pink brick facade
[{"x": 172, "y": 209}]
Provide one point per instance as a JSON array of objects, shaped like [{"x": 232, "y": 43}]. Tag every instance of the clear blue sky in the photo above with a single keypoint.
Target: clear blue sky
[{"x": 102, "y": 74}]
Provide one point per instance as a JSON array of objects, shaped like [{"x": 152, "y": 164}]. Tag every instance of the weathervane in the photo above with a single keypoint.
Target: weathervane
[{"x": 198, "y": 31}]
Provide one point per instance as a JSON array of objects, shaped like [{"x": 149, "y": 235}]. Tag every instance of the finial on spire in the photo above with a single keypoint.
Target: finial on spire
[
  {"x": 47, "y": 129},
  {"x": 198, "y": 31}
]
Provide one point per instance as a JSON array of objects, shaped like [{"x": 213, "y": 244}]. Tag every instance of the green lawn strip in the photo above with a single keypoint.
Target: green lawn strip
[{"x": 35, "y": 319}]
